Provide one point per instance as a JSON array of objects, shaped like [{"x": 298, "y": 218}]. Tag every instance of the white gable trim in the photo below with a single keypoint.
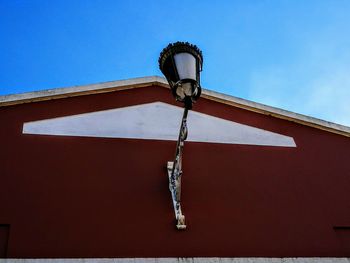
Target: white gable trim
[{"x": 156, "y": 121}]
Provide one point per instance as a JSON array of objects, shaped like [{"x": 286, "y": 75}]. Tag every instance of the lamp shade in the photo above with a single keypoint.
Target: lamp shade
[{"x": 181, "y": 64}]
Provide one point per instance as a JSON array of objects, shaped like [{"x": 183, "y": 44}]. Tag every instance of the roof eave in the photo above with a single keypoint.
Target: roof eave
[
  {"x": 118, "y": 85},
  {"x": 277, "y": 112},
  {"x": 58, "y": 93}
]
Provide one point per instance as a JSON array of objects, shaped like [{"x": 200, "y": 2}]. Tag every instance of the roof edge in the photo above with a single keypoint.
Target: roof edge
[
  {"x": 111, "y": 86},
  {"x": 277, "y": 112},
  {"x": 72, "y": 91}
]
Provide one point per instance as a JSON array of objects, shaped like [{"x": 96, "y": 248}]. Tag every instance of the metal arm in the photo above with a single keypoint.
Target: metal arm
[{"x": 175, "y": 173}]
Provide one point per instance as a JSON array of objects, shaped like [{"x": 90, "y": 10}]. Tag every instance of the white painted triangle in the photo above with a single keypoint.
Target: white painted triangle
[{"x": 158, "y": 121}]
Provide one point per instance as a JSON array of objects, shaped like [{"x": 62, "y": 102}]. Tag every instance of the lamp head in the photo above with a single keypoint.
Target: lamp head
[{"x": 181, "y": 64}]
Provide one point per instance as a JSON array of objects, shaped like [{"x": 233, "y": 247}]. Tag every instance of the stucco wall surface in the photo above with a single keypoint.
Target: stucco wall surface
[{"x": 97, "y": 197}]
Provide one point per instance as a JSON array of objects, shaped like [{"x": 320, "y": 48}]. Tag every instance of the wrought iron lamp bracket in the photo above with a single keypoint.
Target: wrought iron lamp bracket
[{"x": 175, "y": 172}]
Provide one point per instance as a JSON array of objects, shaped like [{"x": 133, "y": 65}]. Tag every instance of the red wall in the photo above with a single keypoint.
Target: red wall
[{"x": 97, "y": 197}]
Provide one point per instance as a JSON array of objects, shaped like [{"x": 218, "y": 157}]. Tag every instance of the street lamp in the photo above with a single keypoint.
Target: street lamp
[{"x": 181, "y": 64}]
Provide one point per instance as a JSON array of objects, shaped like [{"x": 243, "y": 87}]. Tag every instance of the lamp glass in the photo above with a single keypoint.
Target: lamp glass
[{"x": 185, "y": 65}]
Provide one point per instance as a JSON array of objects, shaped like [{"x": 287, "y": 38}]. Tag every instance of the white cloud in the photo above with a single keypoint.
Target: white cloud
[
  {"x": 316, "y": 82},
  {"x": 329, "y": 96}
]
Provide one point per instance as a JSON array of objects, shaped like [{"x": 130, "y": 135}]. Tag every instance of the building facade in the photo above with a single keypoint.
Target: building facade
[{"x": 83, "y": 176}]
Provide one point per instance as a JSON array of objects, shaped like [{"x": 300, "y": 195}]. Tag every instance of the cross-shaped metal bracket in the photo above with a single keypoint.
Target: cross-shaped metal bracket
[
  {"x": 175, "y": 173},
  {"x": 175, "y": 189}
]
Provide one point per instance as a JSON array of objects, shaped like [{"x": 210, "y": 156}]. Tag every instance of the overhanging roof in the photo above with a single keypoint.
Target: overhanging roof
[{"x": 111, "y": 86}]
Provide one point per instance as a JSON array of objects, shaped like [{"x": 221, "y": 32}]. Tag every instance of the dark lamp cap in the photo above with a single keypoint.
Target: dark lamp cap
[{"x": 180, "y": 47}]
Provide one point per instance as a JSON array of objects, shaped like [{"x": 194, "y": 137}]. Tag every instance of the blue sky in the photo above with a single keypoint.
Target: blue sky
[{"x": 291, "y": 54}]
